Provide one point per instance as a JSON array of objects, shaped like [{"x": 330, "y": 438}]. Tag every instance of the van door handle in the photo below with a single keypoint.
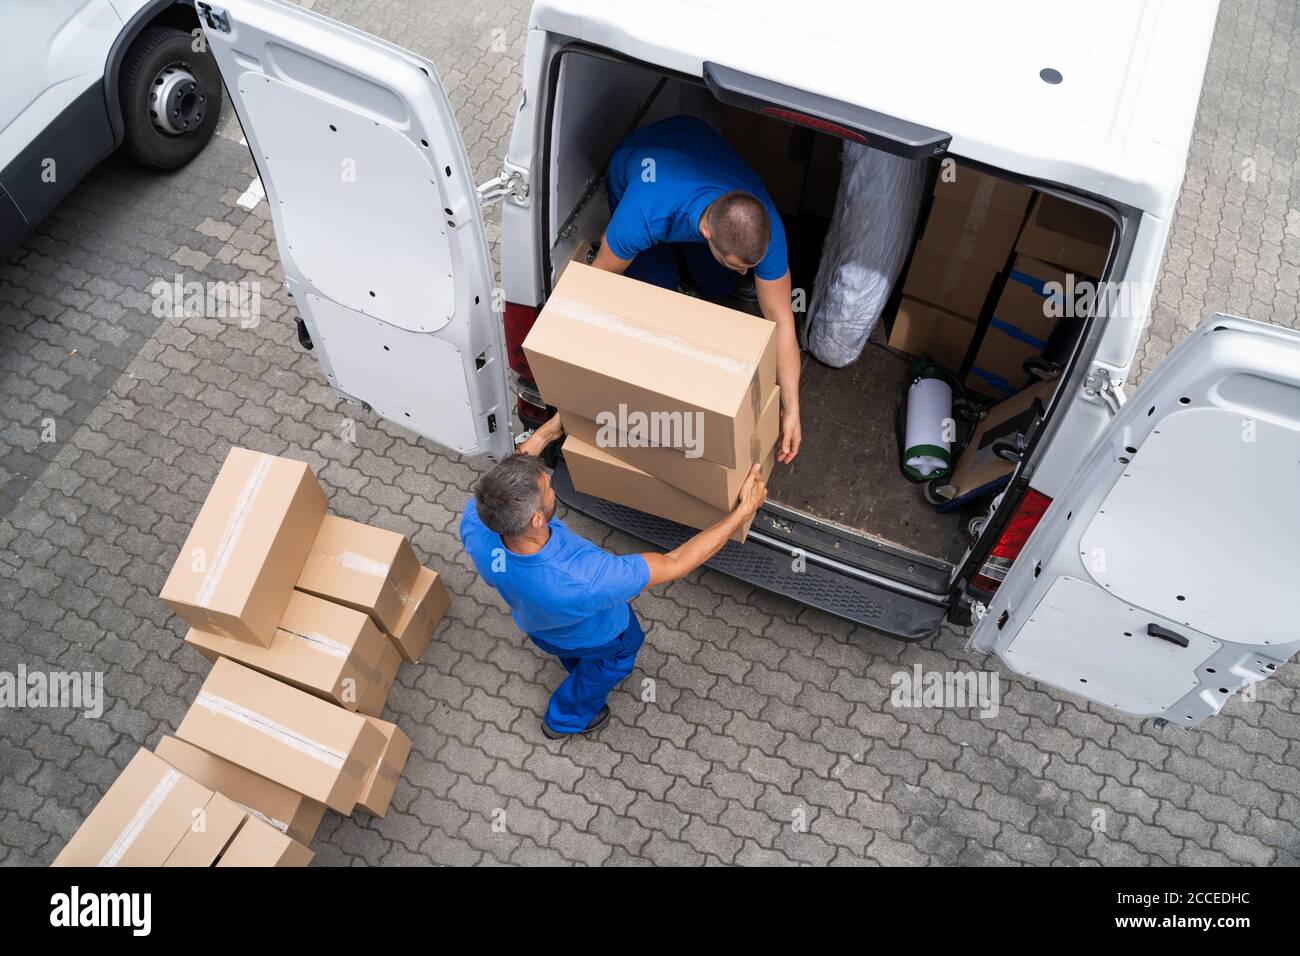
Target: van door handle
[{"x": 1155, "y": 630}]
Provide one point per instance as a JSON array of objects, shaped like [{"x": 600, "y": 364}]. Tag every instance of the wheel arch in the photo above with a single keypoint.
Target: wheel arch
[{"x": 167, "y": 13}]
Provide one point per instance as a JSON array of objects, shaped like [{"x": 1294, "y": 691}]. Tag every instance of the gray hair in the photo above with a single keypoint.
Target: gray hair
[{"x": 510, "y": 494}]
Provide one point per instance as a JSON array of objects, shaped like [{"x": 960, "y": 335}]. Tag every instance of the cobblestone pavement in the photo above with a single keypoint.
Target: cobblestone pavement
[{"x": 766, "y": 711}]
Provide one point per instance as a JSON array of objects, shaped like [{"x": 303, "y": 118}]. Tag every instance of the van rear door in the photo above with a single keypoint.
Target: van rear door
[
  {"x": 376, "y": 216},
  {"x": 1160, "y": 582}
]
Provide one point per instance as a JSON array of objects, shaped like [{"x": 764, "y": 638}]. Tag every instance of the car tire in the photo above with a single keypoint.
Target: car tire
[{"x": 161, "y": 71}]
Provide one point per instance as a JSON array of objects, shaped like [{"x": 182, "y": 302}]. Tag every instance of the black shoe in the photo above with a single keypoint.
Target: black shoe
[{"x": 600, "y": 720}]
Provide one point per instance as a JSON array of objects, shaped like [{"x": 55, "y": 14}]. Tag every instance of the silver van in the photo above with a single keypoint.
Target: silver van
[{"x": 1136, "y": 554}]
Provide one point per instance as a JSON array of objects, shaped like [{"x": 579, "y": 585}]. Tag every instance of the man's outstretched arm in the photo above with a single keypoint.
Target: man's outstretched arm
[
  {"x": 542, "y": 436},
  {"x": 688, "y": 556}
]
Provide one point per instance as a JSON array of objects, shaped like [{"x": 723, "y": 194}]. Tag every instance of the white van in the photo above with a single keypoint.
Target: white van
[{"x": 1137, "y": 557}]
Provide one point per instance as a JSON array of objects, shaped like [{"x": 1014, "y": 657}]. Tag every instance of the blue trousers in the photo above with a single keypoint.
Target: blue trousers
[
  {"x": 593, "y": 673},
  {"x": 659, "y": 265}
]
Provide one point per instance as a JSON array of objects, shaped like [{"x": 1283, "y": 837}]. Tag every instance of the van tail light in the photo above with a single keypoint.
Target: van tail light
[
  {"x": 1023, "y": 521},
  {"x": 517, "y": 323}
]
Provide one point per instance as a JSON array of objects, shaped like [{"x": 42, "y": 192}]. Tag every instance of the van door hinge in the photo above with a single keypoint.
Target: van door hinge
[
  {"x": 512, "y": 184},
  {"x": 214, "y": 19},
  {"x": 1098, "y": 384}
]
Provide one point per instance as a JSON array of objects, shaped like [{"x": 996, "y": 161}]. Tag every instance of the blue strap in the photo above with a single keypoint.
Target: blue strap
[
  {"x": 996, "y": 381},
  {"x": 1020, "y": 335},
  {"x": 1033, "y": 282}
]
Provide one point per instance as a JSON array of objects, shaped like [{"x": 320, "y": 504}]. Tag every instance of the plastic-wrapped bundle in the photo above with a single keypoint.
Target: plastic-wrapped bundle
[{"x": 875, "y": 216}]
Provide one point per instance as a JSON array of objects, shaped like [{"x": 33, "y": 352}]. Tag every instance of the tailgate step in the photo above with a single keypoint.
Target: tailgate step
[{"x": 898, "y": 615}]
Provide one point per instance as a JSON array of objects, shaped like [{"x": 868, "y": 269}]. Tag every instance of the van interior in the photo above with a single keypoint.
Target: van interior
[{"x": 847, "y": 473}]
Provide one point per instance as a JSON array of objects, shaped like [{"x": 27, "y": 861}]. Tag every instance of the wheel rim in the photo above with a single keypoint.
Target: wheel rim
[{"x": 176, "y": 101}]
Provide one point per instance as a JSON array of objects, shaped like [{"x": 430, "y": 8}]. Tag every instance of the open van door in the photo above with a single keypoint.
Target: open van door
[
  {"x": 376, "y": 216},
  {"x": 1163, "y": 579}
]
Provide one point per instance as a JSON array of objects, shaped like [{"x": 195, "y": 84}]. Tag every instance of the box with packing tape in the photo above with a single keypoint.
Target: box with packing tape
[
  {"x": 974, "y": 218},
  {"x": 326, "y": 649},
  {"x": 377, "y": 791},
  {"x": 606, "y": 345},
  {"x": 1023, "y": 321},
  {"x": 716, "y": 485},
  {"x": 147, "y": 818},
  {"x": 282, "y": 733},
  {"x": 247, "y": 546},
  {"x": 597, "y": 472},
  {"x": 288, "y": 811},
  {"x": 366, "y": 568},
  {"x": 425, "y": 607}
]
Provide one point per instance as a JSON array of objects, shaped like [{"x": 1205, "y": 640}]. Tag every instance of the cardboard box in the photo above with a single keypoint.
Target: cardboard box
[
  {"x": 366, "y": 568},
  {"x": 236, "y": 570},
  {"x": 596, "y": 472},
  {"x": 605, "y": 344},
  {"x": 374, "y": 694},
  {"x": 257, "y": 844},
  {"x": 425, "y": 607},
  {"x": 1021, "y": 326},
  {"x": 1023, "y": 312},
  {"x": 282, "y": 733},
  {"x": 922, "y": 329},
  {"x": 204, "y": 844},
  {"x": 148, "y": 816},
  {"x": 286, "y": 810},
  {"x": 714, "y": 484},
  {"x": 324, "y": 648},
  {"x": 1068, "y": 235},
  {"x": 978, "y": 466},
  {"x": 975, "y": 188},
  {"x": 998, "y": 368},
  {"x": 952, "y": 284},
  {"x": 377, "y": 792},
  {"x": 973, "y": 234}
]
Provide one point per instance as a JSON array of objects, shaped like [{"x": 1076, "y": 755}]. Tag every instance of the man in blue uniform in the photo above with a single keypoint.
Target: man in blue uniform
[
  {"x": 676, "y": 188},
  {"x": 569, "y": 596}
]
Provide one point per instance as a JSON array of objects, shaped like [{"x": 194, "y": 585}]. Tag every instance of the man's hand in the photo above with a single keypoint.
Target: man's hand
[
  {"x": 688, "y": 556},
  {"x": 541, "y": 437},
  {"x": 752, "y": 494},
  {"x": 791, "y": 434}
]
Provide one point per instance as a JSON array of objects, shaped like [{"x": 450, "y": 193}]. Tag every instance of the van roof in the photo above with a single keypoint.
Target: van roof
[{"x": 1118, "y": 124}]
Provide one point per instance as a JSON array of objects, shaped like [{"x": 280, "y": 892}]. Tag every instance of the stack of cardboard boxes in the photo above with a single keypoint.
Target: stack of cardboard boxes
[
  {"x": 973, "y": 223},
  {"x": 667, "y": 401},
  {"x": 1059, "y": 240},
  {"x": 307, "y": 617},
  {"x": 976, "y": 230}
]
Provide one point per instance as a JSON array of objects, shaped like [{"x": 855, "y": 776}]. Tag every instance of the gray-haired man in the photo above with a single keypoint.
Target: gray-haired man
[{"x": 569, "y": 596}]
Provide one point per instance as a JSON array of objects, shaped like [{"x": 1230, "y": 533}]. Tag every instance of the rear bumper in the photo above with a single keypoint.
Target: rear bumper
[{"x": 766, "y": 563}]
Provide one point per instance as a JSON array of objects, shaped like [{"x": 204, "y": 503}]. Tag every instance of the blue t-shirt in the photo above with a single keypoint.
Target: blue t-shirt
[
  {"x": 693, "y": 165},
  {"x": 570, "y": 594}
]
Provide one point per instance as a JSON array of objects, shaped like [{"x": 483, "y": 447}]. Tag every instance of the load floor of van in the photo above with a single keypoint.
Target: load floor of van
[{"x": 847, "y": 471}]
